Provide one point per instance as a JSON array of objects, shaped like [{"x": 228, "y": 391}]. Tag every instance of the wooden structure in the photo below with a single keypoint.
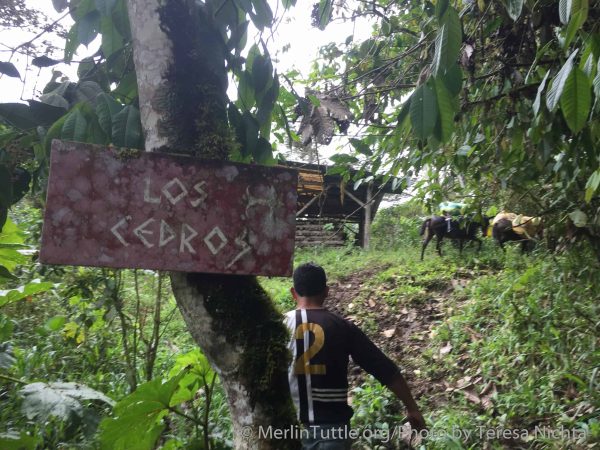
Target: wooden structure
[{"x": 327, "y": 207}]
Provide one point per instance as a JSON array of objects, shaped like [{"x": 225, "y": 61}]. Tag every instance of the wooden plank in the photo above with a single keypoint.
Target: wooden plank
[{"x": 169, "y": 212}]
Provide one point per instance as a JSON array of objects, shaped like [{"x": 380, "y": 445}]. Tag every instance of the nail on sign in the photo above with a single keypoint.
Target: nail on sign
[{"x": 111, "y": 208}]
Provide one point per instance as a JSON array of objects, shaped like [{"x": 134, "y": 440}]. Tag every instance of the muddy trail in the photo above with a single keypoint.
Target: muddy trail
[{"x": 402, "y": 330}]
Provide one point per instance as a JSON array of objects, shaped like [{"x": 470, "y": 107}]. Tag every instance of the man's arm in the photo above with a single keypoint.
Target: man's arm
[{"x": 400, "y": 388}]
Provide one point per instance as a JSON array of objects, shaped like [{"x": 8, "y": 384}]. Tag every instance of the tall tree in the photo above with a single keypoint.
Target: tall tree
[{"x": 182, "y": 80}]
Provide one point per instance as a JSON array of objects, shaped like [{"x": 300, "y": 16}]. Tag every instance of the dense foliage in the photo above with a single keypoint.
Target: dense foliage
[{"x": 489, "y": 100}]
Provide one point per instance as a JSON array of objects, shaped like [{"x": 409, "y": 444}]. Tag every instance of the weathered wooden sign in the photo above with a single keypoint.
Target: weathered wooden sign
[{"x": 112, "y": 208}]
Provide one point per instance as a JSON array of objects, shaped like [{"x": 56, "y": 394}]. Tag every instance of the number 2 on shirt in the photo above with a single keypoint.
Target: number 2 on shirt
[{"x": 303, "y": 365}]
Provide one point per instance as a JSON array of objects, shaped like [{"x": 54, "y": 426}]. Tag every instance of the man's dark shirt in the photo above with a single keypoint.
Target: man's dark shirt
[{"x": 321, "y": 342}]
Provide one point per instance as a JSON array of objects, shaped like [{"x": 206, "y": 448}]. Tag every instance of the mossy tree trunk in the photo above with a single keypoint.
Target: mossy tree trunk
[{"x": 182, "y": 82}]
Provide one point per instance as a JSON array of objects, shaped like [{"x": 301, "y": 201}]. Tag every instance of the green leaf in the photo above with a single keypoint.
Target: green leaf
[
  {"x": 44, "y": 61},
  {"x": 558, "y": 82},
  {"x": 121, "y": 19},
  {"x": 514, "y": 8},
  {"x": 72, "y": 43},
  {"x": 597, "y": 80},
  {"x": 423, "y": 111},
  {"x": 60, "y": 5},
  {"x": 264, "y": 16},
  {"x": 106, "y": 108},
  {"x": 88, "y": 27},
  {"x": 111, "y": 39},
  {"x": 576, "y": 100},
  {"x": 592, "y": 185},
  {"x": 63, "y": 400},
  {"x": 262, "y": 70},
  {"x": 267, "y": 103},
  {"x": 447, "y": 42},
  {"x": 54, "y": 132},
  {"x": 44, "y": 113},
  {"x": 9, "y": 69},
  {"x": 325, "y": 12},
  {"x": 56, "y": 323},
  {"x": 251, "y": 127},
  {"x": 127, "y": 128},
  {"x": 55, "y": 100},
  {"x": 87, "y": 91},
  {"x": 74, "y": 127},
  {"x": 579, "y": 14},
  {"x": 28, "y": 290},
  {"x": 263, "y": 153},
  {"x": 137, "y": 417},
  {"x": 361, "y": 147},
  {"x": 404, "y": 113},
  {"x": 18, "y": 115},
  {"x": 445, "y": 110},
  {"x": 453, "y": 80},
  {"x": 105, "y": 6},
  {"x": 579, "y": 218},
  {"x": 246, "y": 94},
  {"x": 441, "y": 7},
  {"x": 538, "y": 97}
]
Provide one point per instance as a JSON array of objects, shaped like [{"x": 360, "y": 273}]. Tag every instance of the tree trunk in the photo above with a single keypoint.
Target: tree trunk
[{"x": 179, "y": 58}]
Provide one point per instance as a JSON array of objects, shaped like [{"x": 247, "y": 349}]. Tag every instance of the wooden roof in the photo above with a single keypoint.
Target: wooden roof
[{"x": 323, "y": 196}]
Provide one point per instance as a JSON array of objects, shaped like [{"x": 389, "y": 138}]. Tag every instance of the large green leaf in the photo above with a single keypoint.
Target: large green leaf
[
  {"x": 27, "y": 290},
  {"x": 106, "y": 108},
  {"x": 579, "y": 14},
  {"x": 576, "y": 100},
  {"x": 111, "y": 38},
  {"x": 538, "y": 97},
  {"x": 558, "y": 82},
  {"x": 592, "y": 185},
  {"x": 105, "y": 6},
  {"x": 88, "y": 27},
  {"x": 447, "y": 42},
  {"x": 9, "y": 69},
  {"x": 423, "y": 111},
  {"x": 445, "y": 111},
  {"x": 18, "y": 115},
  {"x": 127, "y": 128},
  {"x": 63, "y": 400},
  {"x": 75, "y": 127},
  {"x": 136, "y": 423}
]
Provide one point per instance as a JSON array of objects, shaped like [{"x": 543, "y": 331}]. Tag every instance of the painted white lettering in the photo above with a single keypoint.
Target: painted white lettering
[
  {"x": 186, "y": 238},
  {"x": 118, "y": 225},
  {"x": 240, "y": 241},
  {"x": 182, "y": 190},
  {"x": 166, "y": 234},
  {"x": 216, "y": 231},
  {"x": 141, "y": 231},
  {"x": 199, "y": 190},
  {"x": 147, "y": 195}
]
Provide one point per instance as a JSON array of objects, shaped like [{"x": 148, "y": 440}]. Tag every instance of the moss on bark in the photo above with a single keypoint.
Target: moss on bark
[{"x": 195, "y": 122}]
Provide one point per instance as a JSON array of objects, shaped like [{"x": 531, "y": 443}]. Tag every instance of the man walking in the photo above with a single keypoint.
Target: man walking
[{"x": 321, "y": 342}]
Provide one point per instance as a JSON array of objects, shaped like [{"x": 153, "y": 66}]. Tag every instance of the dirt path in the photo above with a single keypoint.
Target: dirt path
[{"x": 402, "y": 331}]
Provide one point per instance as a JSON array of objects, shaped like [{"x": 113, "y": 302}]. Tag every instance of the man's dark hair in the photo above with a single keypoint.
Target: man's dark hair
[{"x": 309, "y": 280}]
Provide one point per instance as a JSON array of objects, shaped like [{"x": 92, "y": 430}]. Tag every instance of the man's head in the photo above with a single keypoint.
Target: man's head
[{"x": 310, "y": 283}]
